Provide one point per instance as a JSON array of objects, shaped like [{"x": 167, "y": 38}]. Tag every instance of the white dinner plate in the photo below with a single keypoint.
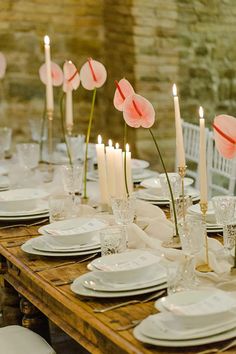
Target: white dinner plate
[
  {"x": 3, "y": 170},
  {"x": 78, "y": 226},
  {"x": 165, "y": 326},
  {"x": 53, "y": 244},
  {"x": 27, "y": 247},
  {"x": 153, "y": 194},
  {"x": 138, "y": 334},
  {"x": 96, "y": 283},
  {"x": 196, "y": 209},
  {"x": 42, "y": 208},
  {"x": 27, "y": 217},
  {"x": 138, "y": 164},
  {"x": 155, "y": 182},
  {"x": 78, "y": 288}
]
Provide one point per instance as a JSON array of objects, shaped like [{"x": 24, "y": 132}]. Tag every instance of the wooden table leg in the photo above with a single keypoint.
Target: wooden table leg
[{"x": 9, "y": 305}]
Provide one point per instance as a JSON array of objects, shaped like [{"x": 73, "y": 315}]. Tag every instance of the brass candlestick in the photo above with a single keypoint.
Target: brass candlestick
[
  {"x": 204, "y": 268},
  {"x": 182, "y": 172},
  {"x": 50, "y": 145}
]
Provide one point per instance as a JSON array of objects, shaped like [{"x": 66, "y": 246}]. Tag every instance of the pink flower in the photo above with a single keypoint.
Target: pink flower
[
  {"x": 71, "y": 77},
  {"x": 138, "y": 112},
  {"x": 92, "y": 74},
  {"x": 3, "y": 65},
  {"x": 225, "y": 135},
  {"x": 124, "y": 89},
  {"x": 57, "y": 74}
]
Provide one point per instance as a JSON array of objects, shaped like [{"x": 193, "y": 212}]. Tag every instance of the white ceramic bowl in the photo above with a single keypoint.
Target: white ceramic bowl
[
  {"x": 138, "y": 166},
  {"x": 125, "y": 267},
  {"x": 74, "y": 230},
  {"x": 20, "y": 199},
  {"x": 196, "y": 307}
]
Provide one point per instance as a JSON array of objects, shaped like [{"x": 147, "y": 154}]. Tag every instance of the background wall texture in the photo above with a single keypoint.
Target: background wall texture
[{"x": 153, "y": 43}]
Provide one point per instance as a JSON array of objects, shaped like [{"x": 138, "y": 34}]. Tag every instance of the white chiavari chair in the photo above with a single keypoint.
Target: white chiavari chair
[{"x": 221, "y": 171}]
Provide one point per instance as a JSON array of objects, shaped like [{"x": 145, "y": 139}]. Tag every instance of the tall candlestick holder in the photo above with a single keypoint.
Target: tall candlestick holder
[
  {"x": 69, "y": 129},
  {"x": 50, "y": 144},
  {"x": 182, "y": 173},
  {"x": 233, "y": 269},
  {"x": 204, "y": 268}
]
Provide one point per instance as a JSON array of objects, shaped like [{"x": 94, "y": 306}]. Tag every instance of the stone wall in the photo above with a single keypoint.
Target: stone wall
[{"x": 153, "y": 43}]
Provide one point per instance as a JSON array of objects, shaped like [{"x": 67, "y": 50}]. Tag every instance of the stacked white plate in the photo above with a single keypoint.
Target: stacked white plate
[
  {"x": 4, "y": 183},
  {"x": 190, "y": 318},
  {"x": 155, "y": 182},
  {"x": 23, "y": 204},
  {"x": 154, "y": 195},
  {"x": 126, "y": 274},
  {"x": 210, "y": 217},
  {"x": 72, "y": 237}
]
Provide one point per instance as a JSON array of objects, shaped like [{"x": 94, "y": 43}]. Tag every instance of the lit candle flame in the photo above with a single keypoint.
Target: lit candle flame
[
  {"x": 110, "y": 142},
  {"x": 117, "y": 146},
  {"x": 46, "y": 40},
  {"x": 127, "y": 147},
  {"x": 201, "y": 112},
  {"x": 174, "y": 90},
  {"x": 69, "y": 61},
  {"x": 99, "y": 139}
]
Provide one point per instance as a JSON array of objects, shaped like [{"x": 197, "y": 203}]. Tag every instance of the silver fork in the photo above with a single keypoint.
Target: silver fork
[
  {"x": 219, "y": 350},
  {"x": 149, "y": 298},
  {"x": 23, "y": 225}
]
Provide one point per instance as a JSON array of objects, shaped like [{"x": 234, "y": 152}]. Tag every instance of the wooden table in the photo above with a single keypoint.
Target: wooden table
[{"x": 96, "y": 332}]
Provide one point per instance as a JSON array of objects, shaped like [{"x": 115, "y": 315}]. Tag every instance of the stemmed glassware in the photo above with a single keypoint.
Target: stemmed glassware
[
  {"x": 5, "y": 140},
  {"x": 224, "y": 207},
  {"x": 72, "y": 176},
  {"x": 124, "y": 211}
]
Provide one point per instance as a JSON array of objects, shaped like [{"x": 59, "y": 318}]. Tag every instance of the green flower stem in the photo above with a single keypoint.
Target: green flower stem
[
  {"x": 168, "y": 181},
  {"x": 87, "y": 142},
  {"x": 63, "y": 127},
  {"x": 42, "y": 131},
  {"x": 125, "y": 164}
]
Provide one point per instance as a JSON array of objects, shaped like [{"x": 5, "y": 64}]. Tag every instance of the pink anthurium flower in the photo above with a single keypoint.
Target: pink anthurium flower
[
  {"x": 138, "y": 112},
  {"x": 123, "y": 90},
  {"x": 93, "y": 74},
  {"x": 225, "y": 135},
  {"x": 3, "y": 65},
  {"x": 57, "y": 74},
  {"x": 71, "y": 77}
]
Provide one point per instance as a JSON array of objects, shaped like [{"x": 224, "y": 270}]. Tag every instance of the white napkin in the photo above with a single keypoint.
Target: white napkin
[{"x": 147, "y": 210}]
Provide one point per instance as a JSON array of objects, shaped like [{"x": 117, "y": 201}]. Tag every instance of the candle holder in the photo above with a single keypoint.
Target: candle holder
[
  {"x": 233, "y": 269},
  {"x": 50, "y": 144},
  {"x": 204, "y": 268},
  {"x": 69, "y": 129},
  {"x": 182, "y": 173}
]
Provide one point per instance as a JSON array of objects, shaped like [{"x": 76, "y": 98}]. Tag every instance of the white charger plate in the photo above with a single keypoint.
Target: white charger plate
[
  {"x": 23, "y": 194},
  {"x": 46, "y": 243},
  {"x": 21, "y": 218},
  {"x": 78, "y": 288},
  {"x": 27, "y": 247},
  {"x": 155, "y": 182},
  {"x": 165, "y": 326},
  {"x": 42, "y": 208},
  {"x": 97, "y": 284},
  {"x": 138, "y": 334}
]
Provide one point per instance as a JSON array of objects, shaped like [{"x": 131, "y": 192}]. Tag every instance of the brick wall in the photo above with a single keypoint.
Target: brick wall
[{"x": 153, "y": 43}]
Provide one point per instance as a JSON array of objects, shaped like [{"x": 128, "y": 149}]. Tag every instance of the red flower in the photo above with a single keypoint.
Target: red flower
[
  {"x": 57, "y": 74},
  {"x": 138, "y": 112},
  {"x": 124, "y": 89},
  {"x": 71, "y": 77},
  {"x": 93, "y": 74},
  {"x": 225, "y": 135}
]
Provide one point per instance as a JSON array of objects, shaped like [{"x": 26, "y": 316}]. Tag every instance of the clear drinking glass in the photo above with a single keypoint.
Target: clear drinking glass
[
  {"x": 124, "y": 211},
  {"x": 113, "y": 240},
  {"x": 28, "y": 155},
  {"x": 5, "y": 139},
  {"x": 175, "y": 182},
  {"x": 37, "y": 130},
  {"x": 230, "y": 235},
  {"x": 192, "y": 234},
  {"x": 181, "y": 207},
  {"x": 76, "y": 146},
  {"x": 60, "y": 207},
  {"x": 224, "y": 207},
  {"x": 178, "y": 275},
  {"x": 72, "y": 177}
]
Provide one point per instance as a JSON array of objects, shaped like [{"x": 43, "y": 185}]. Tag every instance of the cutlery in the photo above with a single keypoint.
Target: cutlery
[
  {"x": 41, "y": 269},
  {"x": 217, "y": 350},
  {"x": 149, "y": 298},
  {"x": 23, "y": 225},
  {"x": 133, "y": 324}
]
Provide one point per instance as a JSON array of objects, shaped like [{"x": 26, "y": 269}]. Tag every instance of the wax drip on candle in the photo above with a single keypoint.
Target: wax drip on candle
[
  {"x": 99, "y": 139},
  {"x": 110, "y": 142},
  {"x": 117, "y": 146}
]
